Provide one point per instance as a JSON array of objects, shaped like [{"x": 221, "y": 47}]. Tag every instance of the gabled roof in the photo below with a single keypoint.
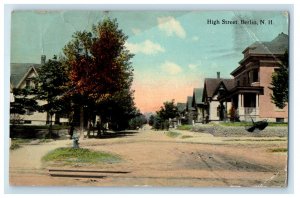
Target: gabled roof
[
  {"x": 189, "y": 103},
  {"x": 19, "y": 70},
  {"x": 181, "y": 106},
  {"x": 274, "y": 48},
  {"x": 211, "y": 84},
  {"x": 277, "y": 46},
  {"x": 197, "y": 95}
]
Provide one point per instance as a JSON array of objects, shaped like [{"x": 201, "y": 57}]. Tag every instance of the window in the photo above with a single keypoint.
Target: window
[
  {"x": 255, "y": 75},
  {"x": 29, "y": 112},
  {"x": 27, "y": 121},
  {"x": 280, "y": 120},
  {"x": 27, "y": 83}
]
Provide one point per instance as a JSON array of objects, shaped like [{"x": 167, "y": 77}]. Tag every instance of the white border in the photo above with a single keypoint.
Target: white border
[{"x": 65, "y": 190}]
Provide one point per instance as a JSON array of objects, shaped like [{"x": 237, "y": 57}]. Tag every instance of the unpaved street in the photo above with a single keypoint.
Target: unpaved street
[{"x": 151, "y": 158}]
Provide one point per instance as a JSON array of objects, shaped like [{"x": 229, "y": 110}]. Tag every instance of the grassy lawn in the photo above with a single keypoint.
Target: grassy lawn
[
  {"x": 271, "y": 124},
  {"x": 185, "y": 127},
  {"x": 68, "y": 156},
  {"x": 173, "y": 134},
  {"x": 186, "y": 136},
  {"x": 278, "y": 150}
]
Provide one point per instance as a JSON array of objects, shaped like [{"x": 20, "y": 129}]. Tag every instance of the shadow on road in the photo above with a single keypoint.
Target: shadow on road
[{"x": 116, "y": 134}]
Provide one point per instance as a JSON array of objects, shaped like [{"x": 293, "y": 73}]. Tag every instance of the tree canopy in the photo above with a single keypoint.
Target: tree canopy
[
  {"x": 280, "y": 83},
  {"x": 100, "y": 72},
  {"x": 98, "y": 62}
]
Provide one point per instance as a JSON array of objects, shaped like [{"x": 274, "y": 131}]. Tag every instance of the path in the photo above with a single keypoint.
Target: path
[{"x": 152, "y": 158}]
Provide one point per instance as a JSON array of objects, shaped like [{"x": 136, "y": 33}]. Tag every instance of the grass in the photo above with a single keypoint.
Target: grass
[
  {"x": 257, "y": 140},
  {"x": 80, "y": 155},
  {"x": 271, "y": 124},
  {"x": 278, "y": 150},
  {"x": 21, "y": 140},
  {"x": 173, "y": 134},
  {"x": 185, "y": 127},
  {"x": 186, "y": 136},
  {"x": 14, "y": 146}
]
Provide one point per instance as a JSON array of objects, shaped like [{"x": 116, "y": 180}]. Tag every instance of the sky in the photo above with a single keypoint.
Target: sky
[{"x": 174, "y": 50}]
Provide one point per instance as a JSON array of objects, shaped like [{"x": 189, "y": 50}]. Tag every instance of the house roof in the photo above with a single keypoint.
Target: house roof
[
  {"x": 277, "y": 46},
  {"x": 181, "y": 106},
  {"x": 190, "y": 102},
  {"x": 18, "y": 71},
  {"x": 197, "y": 95},
  {"x": 211, "y": 84}
]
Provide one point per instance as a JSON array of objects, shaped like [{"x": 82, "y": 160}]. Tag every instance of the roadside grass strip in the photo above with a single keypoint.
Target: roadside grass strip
[
  {"x": 278, "y": 150},
  {"x": 173, "y": 134},
  {"x": 80, "y": 155}
]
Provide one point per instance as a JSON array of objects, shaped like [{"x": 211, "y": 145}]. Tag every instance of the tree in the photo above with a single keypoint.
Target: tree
[
  {"x": 51, "y": 80},
  {"x": 22, "y": 104},
  {"x": 169, "y": 110},
  {"x": 98, "y": 65},
  {"x": 280, "y": 83}
]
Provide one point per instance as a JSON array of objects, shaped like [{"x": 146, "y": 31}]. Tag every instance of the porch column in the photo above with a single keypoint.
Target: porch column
[
  {"x": 240, "y": 100},
  {"x": 257, "y": 103}
]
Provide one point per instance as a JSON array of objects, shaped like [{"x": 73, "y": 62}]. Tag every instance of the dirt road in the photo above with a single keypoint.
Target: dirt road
[{"x": 151, "y": 158}]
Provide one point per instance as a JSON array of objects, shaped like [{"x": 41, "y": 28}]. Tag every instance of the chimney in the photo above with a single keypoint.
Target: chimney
[
  {"x": 43, "y": 59},
  {"x": 218, "y": 75}
]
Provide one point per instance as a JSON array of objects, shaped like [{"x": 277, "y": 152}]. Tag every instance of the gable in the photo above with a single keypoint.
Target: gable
[
  {"x": 19, "y": 70},
  {"x": 31, "y": 73}
]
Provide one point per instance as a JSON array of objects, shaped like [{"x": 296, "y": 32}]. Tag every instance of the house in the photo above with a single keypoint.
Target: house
[
  {"x": 198, "y": 105},
  {"x": 250, "y": 95},
  {"x": 190, "y": 110},
  {"x": 213, "y": 88},
  {"x": 181, "y": 107},
  {"x": 23, "y": 76}
]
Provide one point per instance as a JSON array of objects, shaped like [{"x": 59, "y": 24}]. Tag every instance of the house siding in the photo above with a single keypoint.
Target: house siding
[{"x": 267, "y": 109}]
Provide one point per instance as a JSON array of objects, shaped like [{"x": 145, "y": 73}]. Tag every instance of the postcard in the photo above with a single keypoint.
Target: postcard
[{"x": 149, "y": 98}]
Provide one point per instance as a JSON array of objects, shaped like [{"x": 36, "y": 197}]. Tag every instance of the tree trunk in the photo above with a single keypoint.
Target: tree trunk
[
  {"x": 81, "y": 121},
  {"x": 50, "y": 127}
]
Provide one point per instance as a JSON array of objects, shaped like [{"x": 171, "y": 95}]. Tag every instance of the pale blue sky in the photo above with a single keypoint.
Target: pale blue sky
[{"x": 174, "y": 51}]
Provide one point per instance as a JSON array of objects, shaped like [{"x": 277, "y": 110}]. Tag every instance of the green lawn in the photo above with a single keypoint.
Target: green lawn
[
  {"x": 278, "y": 150},
  {"x": 80, "y": 155},
  {"x": 185, "y": 127},
  {"x": 173, "y": 134}
]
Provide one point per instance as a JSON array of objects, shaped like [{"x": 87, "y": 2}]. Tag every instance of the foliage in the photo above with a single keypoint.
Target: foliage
[
  {"x": 173, "y": 134},
  {"x": 98, "y": 62},
  {"x": 151, "y": 120},
  {"x": 100, "y": 73},
  {"x": 233, "y": 115},
  {"x": 137, "y": 122},
  {"x": 14, "y": 146},
  {"x": 51, "y": 80},
  {"x": 161, "y": 119},
  {"x": 23, "y": 103},
  {"x": 79, "y": 155},
  {"x": 185, "y": 127},
  {"x": 280, "y": 83},
  {"x": 168, "y": 110}
]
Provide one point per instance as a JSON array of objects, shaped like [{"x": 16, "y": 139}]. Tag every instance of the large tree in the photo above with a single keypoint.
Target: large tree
[
  {"x": 98, "y": 64},
  {"x": 168, "y": 110},
  {"x": 51, "y": 80},
  {"x": 280, "y": 83}
]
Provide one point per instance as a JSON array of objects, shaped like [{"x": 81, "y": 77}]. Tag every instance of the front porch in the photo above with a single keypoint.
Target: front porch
[{"x": 244, "y": 103}]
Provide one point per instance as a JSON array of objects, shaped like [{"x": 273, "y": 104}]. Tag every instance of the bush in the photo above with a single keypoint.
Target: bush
[{"x": 185, "y": 127}]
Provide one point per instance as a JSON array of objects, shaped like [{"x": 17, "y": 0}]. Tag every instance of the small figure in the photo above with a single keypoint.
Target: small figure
[{"x": 75, "y": 138}]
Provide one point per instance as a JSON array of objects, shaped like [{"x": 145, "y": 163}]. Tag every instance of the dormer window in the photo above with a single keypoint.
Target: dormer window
[{"x": 28, "y": 84}]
